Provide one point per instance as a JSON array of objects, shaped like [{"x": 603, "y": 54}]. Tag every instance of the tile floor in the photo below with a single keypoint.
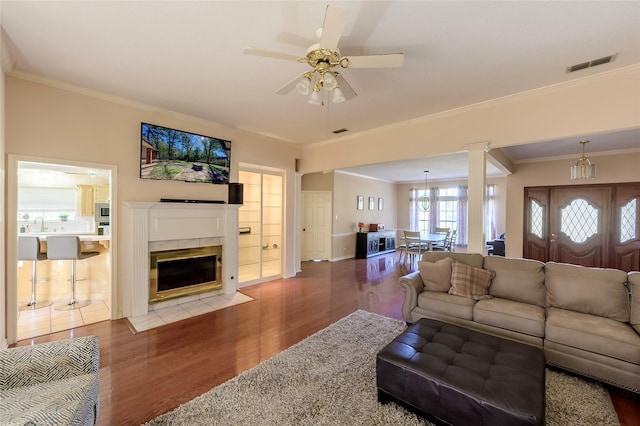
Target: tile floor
[
  {"x": 37, "y": 322},
  {"x": 41, "y": 321},
  {"x": 186, "y": 310}
]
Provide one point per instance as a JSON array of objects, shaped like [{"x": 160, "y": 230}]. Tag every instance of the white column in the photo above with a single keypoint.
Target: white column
[{"x": 477, "y": 194}]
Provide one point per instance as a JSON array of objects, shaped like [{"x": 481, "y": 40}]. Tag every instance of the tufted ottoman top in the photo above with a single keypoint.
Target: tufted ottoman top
[{"x": 462, "y": 376}]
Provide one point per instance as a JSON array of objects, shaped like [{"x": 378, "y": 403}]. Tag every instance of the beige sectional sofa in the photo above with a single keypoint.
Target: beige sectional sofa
[{"x": 586, "y": 320}]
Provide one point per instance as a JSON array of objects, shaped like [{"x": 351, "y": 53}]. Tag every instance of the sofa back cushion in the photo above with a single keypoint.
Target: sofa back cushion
[
  {"x": 520, "y": 280},
  {"x": 634, "y": 287},
  {"x": 595, "y": 291},
  {"x": 436, "y": 276},
  {"x": 471, "y": 259}
]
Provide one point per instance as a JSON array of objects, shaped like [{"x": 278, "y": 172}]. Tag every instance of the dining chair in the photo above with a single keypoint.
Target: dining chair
[
  {"x": 413, "y": 245},
  {"x": 448, "y": 243},
  {"x": 441, "y": 245},
  {"x": 442, "y": 230}
]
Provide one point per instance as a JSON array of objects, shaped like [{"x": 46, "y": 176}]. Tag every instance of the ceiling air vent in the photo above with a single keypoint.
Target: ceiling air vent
[
  {"x": 340, "y": 131},
  {"x": 593, "y": 63}
]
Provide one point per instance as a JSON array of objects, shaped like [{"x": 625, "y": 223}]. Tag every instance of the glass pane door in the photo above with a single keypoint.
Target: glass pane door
[{"x": 260, "y": 222}]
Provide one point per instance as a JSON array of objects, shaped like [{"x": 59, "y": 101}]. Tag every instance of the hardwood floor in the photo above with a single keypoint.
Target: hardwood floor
[{"x": 146, "y": 374}]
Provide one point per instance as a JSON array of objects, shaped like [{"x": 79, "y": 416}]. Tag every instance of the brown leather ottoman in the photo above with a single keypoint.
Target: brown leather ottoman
[{"x": 463, "y": 377}]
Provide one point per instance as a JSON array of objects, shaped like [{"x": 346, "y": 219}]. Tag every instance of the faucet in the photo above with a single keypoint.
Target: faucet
[{"x": 42, "y": 225}]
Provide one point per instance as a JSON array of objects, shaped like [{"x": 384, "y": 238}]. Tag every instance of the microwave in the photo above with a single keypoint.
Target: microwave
[{"x": 102, "y": 213}]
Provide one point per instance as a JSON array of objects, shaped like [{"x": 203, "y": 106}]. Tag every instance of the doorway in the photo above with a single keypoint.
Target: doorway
[
  {"x": 316, "y": 225},
  {"x": 48, "y": 198},
  {"x": 588, "y": 225}
]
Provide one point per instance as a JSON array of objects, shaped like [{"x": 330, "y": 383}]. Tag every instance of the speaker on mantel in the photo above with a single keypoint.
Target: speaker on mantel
[{"x": 235, "y": 193}]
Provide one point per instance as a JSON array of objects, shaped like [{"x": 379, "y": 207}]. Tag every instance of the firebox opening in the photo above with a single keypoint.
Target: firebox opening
[{"x": 177, "y": 273}]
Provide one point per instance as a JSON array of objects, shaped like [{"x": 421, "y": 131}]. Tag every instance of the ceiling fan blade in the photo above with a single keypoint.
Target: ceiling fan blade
[
  {"x": 347, "y": 90},
  {"x": 251, "y": 50},
  {"x": 289, "y": 86},
  {"x": 335, "y": 19},
  {"x": 390, "y": 60}
]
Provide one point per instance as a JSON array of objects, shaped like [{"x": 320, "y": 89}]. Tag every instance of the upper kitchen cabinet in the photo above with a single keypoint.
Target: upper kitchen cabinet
[
  {"x": 101, "y": 193},
  {"x": 85, "y": 200}
]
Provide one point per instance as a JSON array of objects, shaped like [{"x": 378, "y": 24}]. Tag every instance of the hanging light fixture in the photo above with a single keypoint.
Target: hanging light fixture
[
  {"x": 583, "y": 168},
  {"x": 423, "y": 201}
]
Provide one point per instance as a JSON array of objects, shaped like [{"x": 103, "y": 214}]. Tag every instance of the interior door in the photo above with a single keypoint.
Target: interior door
[
  {"x": 580, "y": 225},
  {"x": 316, "y": 225}
]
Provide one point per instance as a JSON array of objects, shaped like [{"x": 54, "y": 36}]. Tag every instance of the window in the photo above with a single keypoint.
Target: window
[{"x": 448, "y": 209}]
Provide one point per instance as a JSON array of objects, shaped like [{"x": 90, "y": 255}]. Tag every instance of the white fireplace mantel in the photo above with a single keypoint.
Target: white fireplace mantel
[{"x": 173, "y": 225}]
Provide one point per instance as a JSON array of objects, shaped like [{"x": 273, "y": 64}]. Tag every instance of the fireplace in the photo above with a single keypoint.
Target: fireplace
[
  {"x": 170, "y": 228},
  {"x": 183, "y": 272}
]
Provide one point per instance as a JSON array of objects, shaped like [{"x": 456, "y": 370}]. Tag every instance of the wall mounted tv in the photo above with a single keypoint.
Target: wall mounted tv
[{"x": 170, "y": 154}]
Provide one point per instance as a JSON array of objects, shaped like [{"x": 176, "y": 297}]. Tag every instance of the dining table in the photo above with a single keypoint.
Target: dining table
[
  {"x": 428, "y": 239},
  {"x": 424, "y": 243}
]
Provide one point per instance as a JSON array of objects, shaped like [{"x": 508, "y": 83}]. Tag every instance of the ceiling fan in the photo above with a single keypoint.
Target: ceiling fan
[{"x": 323, "y": 57}]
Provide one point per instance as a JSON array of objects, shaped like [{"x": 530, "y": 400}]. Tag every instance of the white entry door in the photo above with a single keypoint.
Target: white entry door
[{"x": 316, "y": 225}]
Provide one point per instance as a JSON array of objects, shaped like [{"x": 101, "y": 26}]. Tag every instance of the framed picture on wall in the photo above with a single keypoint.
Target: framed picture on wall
[
  {"x": 372, "y": 203},
  {"x": 360, "y": 202},
  {"x": 380, "y": 203}
]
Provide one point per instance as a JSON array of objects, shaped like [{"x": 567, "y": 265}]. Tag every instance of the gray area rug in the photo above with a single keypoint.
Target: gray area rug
[{"x": 330, "y": 379}]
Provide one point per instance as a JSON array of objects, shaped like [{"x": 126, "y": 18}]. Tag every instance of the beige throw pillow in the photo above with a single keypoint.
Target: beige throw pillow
[
  {"x": 470, "y": 282},
  {"x": 436, "y": 276}
]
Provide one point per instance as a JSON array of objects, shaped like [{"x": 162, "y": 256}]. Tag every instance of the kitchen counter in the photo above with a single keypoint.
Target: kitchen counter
[{"x": 83, "y": 237}]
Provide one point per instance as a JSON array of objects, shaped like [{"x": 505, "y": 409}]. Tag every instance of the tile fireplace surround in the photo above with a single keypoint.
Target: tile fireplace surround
[{"x": 149, "y": 226}]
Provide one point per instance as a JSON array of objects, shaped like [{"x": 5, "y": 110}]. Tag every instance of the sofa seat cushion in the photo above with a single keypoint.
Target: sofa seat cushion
[
  {"x": 447, "y": 304},
  {"x": 510, "y": 315},
  {"x": 521, "y": 280},
  {"x": 71, "y": 401},
  {"x": 593, "y": 333}
]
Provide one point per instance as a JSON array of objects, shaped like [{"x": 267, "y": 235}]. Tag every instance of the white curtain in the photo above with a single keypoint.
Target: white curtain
[
  {"x": 491, "y": 230},
  {"x": 434, "y": 212},
  {"x": 414, "y": 213},
  {"x": 463, "y": 203}
]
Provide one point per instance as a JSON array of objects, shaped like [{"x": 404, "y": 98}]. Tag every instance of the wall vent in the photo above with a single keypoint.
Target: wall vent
[{"x": 593, "y": 63}]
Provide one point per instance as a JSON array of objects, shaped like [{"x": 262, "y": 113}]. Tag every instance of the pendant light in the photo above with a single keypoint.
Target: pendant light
[
  {"x": 424, "y": 204},
  {"x": 583, "y": 168}
]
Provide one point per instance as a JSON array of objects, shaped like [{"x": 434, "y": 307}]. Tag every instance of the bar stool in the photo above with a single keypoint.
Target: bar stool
[
  {"x": 29, "y": 249},
  {"x": 67, "y": 247}
]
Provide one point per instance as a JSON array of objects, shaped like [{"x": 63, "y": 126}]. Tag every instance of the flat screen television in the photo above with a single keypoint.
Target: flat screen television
[{"x": 170, "y": 154}]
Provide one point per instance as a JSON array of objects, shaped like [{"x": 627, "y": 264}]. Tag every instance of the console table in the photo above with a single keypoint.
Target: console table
[{"x": 374, "y": 243}]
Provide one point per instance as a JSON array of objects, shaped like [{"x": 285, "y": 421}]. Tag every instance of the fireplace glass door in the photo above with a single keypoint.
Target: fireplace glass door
[{"x": 260, "y": 240}]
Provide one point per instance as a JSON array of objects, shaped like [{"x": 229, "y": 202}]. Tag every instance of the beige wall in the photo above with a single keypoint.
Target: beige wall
[
  {"x": 610, "y": 168},
  {"x": 561, "y": 111},
  {"x": 3, "y": 278},
  {"x": 49, "y": 122}
]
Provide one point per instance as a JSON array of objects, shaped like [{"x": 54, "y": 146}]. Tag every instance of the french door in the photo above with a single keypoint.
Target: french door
[{"x": 589, "y": 225}]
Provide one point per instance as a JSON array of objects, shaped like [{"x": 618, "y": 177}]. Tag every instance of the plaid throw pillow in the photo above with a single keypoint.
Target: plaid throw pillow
[{"x": 470, "y": 282}]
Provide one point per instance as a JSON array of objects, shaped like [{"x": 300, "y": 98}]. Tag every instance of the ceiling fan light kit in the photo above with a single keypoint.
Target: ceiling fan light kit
[{"x": 323, "y": 57}]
